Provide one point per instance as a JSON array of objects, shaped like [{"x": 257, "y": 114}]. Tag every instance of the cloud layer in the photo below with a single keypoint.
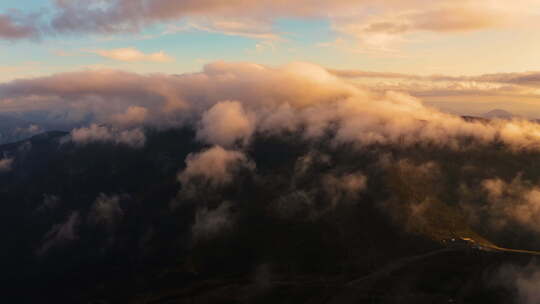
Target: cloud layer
[{"x": 227, "y": 103}]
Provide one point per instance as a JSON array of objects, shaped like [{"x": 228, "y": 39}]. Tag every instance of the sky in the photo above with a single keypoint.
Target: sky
[{"x": 463, "y": 39}]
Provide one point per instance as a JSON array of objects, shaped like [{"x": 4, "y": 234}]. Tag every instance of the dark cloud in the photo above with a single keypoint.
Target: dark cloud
[
  {"x": 524, "y": 280},
  {"x": 61, "y": 233}
]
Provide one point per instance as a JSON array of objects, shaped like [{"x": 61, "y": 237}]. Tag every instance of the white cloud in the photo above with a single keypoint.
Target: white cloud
[
  {"x": 226, "y": 123},
  {"x": 134, "y": 55},
  {"x": 216, "y": 166},
  {"x": 248, "y": 28}
]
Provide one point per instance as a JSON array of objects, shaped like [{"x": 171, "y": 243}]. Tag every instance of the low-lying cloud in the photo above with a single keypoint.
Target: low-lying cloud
[
  {"x": 228, "y": 103},
  {"x": 212, "y": 222},
  {"x": 524, "y": 280},
  {"x": 514, "y": 202},
  {"x": 226, "y": 123},
  {"x": 96, "y": 134},
  {"x": 106, "y": 210},
  {"x": 214, "y": 167},
  {"x": 346, "y": 187},
  {"x": 61, "y": 233}
]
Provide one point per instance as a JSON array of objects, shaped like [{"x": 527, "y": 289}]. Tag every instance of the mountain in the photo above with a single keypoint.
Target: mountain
[
  {"x": 498, "y": 113},
  {"x": 13, "y": 128},
  {"x": 19, "y": 126},
  {"x": 290, "y": 221}
]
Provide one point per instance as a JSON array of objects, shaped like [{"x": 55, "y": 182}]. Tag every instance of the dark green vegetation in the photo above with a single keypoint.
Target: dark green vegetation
[{"x": 292, "y": 236}]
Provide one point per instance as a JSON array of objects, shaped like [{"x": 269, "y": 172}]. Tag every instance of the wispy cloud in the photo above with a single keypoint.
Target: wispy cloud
[
  {"x": 61, "y": 233},
  {"x": 133, "y": 55},
  {"x": 248, "y": 29},
  {"x": 369, "y": 25}
]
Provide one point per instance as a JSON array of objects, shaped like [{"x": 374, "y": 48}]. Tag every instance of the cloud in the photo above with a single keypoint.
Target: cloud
[
  {"x": 215, "y": 166},
  {"x": 514, "y": 202},
  {"x": 228, "y": 103},
  {"x": 361, "y": 25},
  {"x": 344, "y": 188},
  {"x": 517, "y": 92},
  {"x": 248, "y": 29},
  {"x": 211, "y": 222},
  {"x": 226, "y": 123},
  {"x": 133, "y": 55},
  {"x": 347, "y": 185},
  {"x": 106, "y": 210},
  {"x": 522, "y": 279},
  {"x": 133, "y": 14},
  {"x": 61, "y": 233},
  {"x": 305, "y": 163},
  {"x": 530, "y": 78},
  {"x": 134, "y": 115},
  {"x": 384, "y": 30},
  {"x": 5, "y": 164},
  {"x": 11, "y": 28},
  {"x": 96, "y": 133}
]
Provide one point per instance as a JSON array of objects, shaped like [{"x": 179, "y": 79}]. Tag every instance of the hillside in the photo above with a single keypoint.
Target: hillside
[{"x": 296, "y": 217}]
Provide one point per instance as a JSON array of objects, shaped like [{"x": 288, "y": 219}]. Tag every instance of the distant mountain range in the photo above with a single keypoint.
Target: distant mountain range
[
  {"x": 13, "y": 129},
  {"x": 498, "y": 113},
  {"x": 20, "y": 126}
]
